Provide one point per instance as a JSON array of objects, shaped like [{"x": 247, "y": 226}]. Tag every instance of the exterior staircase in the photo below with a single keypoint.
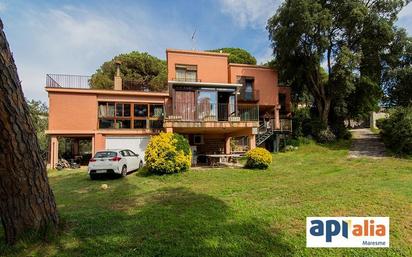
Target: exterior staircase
[{"x": 263, "y": 134}]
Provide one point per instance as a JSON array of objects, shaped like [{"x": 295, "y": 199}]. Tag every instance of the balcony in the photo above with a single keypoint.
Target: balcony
[
  {"x": 211, "y": 115},
  {"x": 68, "y": 81},
  {"x": 285, "y": 125},
  {"x": 253, "y": 96},
  {"x": 84, "y": 82}
]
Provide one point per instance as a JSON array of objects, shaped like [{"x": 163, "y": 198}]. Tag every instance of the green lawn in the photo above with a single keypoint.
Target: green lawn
[{"x": 229, "y": 212}]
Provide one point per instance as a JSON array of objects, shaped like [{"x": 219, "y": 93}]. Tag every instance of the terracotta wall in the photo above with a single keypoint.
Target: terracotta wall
[
  {"x": 211, "y": 67},
  {"x": 287, "y": 92},
  {"x": 99, "y": 142},
  {"x": 72, "y": 111},
  {"x": 265, "y": 80}
]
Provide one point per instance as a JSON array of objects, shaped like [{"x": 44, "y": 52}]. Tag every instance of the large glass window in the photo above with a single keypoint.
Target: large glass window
[
  {"x": 156, "y": 110},
  {"x": 140, "y": 110},
  {"x": 106, "y": 123},
  {"x": 140, "y": 124},
  {"x": 207, "y": 105},
  {"x": 122, "y": 110},
  {"x": 120, "y": 116}
]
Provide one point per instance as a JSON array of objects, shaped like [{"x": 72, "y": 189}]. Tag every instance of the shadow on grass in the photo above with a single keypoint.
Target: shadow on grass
[
  {"x": 165, "y": 222},
  {"x": 338, "y": 145}
]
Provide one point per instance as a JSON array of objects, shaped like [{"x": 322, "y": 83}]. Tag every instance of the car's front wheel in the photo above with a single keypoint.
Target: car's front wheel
[
  {"x": 93, "y": 176},
  {"x": 124, "y": 171}
]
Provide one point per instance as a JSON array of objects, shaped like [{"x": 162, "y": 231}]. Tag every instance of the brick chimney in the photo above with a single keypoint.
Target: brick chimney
[{"x": 117, "y": 78}]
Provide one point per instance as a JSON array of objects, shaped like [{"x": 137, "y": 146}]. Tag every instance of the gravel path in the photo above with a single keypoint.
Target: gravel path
[{"x": 366, "y": 144}]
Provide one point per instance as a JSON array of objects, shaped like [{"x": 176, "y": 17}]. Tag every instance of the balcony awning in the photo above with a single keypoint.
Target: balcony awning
[{"x": 203, "y": 84}]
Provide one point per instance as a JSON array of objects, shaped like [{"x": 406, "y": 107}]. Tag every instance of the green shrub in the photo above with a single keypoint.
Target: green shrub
[
  {"x": 258, "y": 158},
  {"x": 340, "y": 131},
  {"x": 299, "y": 141},
  {"x": 168, "y": 153},
  {"x": 301, "y": 123},
  {"x": 396, "y": 131},
  {"x": 325, "y": 136}
]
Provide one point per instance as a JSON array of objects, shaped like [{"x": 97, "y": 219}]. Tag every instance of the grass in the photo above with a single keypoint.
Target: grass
[
  {"x": 229, "y": 212},
  {"x": 375, "y": 130}
]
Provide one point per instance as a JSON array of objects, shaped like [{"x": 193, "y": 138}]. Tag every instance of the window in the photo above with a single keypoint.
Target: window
[
  {"x": 122, "y": 124},
  {"x": 141, "y": 124},
  {"x": 140, "y": 110},
  {"x": 131, "y": 153},
  {"x": 122, "y": 110},
  {"x": 105, "y": 154},
  {"x": 186, "y": 73},
  {"x": 156, "y": 110},
  {"x": 248, "y": 89},
  {"x": 125, "y": 153},
  {"x": 207, "y": 104},
  {"x": 106, "y": 123},
  {"x": 127, "y": 115}
]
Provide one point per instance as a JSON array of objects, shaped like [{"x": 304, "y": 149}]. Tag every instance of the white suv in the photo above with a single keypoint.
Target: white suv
[{"x": 114, "y": 162}]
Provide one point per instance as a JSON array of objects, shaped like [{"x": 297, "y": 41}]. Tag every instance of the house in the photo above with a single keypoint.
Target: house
[{"x": 220, "y": 107}]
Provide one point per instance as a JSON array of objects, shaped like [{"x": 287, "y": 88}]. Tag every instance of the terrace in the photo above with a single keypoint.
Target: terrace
[{"x": 66, "y": 81}]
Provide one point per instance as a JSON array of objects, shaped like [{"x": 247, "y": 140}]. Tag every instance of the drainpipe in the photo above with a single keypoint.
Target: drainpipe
[{"x": 117, "y": 79}]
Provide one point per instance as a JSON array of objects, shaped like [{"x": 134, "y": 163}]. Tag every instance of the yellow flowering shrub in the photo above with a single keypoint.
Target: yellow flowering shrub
[
  {"x": 168, "y": 153},
  {"x": 258, "y": 158}
]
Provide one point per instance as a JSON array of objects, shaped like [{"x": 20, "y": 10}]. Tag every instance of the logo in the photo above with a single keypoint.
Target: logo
[{"x": 347, "y": 232}]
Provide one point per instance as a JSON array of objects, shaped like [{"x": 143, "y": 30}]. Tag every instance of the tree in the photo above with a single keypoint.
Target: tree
[
  {"x": 237, "y": 55},
  {"x": 347, "y": 37},
  {"x": 39, "y": 114},
  {"x": 397, "y": 74},
  {"x": 141, "y": 68},
  {"x": 26, "y": 199}
]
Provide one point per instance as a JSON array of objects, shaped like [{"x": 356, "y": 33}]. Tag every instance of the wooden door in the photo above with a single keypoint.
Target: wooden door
[{"x": 185, "y": 104}]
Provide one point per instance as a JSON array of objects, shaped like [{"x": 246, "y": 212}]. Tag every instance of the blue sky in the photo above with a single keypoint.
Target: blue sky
[{"x": 75, "y": 37}]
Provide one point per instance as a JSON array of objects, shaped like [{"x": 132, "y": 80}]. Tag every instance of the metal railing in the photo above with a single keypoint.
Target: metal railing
[
  {"x": 183, "y": 111},
  {"x": 286, "y": 125},
  {"x": 68, "y": 81},
  {"x": 253, "y": 96}
]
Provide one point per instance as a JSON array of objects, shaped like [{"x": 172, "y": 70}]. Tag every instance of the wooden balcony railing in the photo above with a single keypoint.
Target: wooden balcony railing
[{"x": 183, "y": 111}]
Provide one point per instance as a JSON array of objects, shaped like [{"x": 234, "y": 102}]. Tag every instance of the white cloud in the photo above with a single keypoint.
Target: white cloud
[
  {"x": 253, "y": 13},
  {"x": 71, "y": 40}
]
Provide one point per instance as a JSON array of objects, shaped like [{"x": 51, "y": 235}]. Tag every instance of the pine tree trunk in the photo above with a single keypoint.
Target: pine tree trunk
[{"x": 26, "y": 199}]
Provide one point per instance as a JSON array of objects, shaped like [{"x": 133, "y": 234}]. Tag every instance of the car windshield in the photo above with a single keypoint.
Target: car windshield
[{"x": 106, "y": 154}]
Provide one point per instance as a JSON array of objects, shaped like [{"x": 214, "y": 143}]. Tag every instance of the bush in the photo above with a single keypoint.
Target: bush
[
  {"x": 340, "y": 131},
  {"x": 258, "y": 158},
  {"x": 301, "y": 123},
  {"x": 298, "y": 141},
  {"x": 168, "y": 153},
  {"x": 325, "y": 136},
  {"x": 396, "y": 131}
]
